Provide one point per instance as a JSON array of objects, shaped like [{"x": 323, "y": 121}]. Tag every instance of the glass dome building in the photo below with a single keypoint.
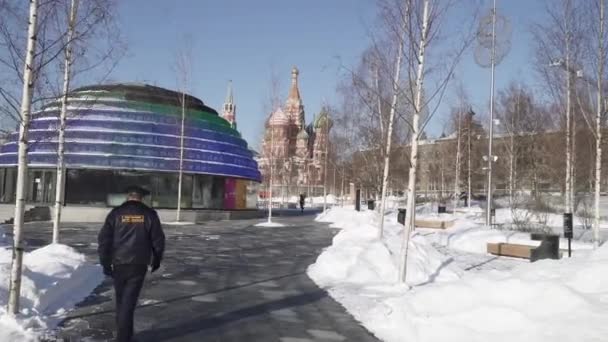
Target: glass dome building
[{"x": 123, "y": 134}]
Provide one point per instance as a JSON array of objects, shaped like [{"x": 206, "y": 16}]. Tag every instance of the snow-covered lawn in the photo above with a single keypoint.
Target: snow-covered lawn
[
  {"x": 55, "y": 278},
  {"x": 455, "y": 291}
]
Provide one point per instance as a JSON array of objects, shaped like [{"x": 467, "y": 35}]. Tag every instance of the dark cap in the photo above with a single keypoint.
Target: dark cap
[{"x": 137, "y": 190}]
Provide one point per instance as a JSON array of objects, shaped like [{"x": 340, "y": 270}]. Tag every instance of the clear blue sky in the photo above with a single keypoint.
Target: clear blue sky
[{"x": 244, "y": 40}]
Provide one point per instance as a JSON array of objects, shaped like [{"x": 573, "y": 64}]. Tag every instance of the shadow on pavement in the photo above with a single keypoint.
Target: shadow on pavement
[
  {"x": 93, "y": 300},
  {"x": 200, "y": 323}
]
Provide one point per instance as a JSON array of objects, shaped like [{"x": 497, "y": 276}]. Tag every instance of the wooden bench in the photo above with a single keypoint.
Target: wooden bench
[
  {"x": 435, "y": 224},
  {"x": 511, "y": 250},
  {"x": 548, "y": 248}
]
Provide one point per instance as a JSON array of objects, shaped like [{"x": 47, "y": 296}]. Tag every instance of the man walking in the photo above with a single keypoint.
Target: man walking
[
  {"x": 131, "y": 239},
  {"x": 302, "y": 202}
]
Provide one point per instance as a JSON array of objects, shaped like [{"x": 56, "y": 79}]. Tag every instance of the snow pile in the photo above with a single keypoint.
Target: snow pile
[
  {"x": 357, "y": 256},
  {"x": 468, "y": 236},
  {"x": 548, "y": 300},
  {"x": 270, "y": 224},
  {"x": 564, "y": 300},
  {"x": 55, "y": 278},
  {"x": 345, "y": 217},
  {"x": 4, "y": 239}
]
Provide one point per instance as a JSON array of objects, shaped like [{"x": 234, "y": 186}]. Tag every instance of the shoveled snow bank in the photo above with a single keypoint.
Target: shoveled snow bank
[
  {"x": 469, "y": 236},
  {"x": 560, "y": 301},
  {"x": 357, "y": 256},
  {"x": 55, "y": 278},
  {"x": 270, "y": 224}
]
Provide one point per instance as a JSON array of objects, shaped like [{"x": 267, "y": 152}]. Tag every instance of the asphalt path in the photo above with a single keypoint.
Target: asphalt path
[{"x": 220, "y": 281}]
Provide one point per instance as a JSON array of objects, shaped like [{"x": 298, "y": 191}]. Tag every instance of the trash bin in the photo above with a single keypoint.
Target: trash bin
[
  {"x": 548, "y": 249},
  {"x": 441, "y": 209},
  {"x": 371, "y": 204},
  {"x": 401, "y": 216}
]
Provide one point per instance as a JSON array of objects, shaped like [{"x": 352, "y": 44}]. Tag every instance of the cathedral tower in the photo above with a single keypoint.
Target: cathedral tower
[{"x": 229, "y": 112}]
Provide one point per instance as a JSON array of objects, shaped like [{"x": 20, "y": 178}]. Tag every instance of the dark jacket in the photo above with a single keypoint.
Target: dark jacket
[{"x": 132, "y": 234}]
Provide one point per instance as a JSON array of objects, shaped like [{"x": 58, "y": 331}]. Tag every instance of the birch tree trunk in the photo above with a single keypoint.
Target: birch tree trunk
[
  {"x": 457, "y": 176},
  {"x": 410, "y": 218},
  {"x": 512, "y": 156},
  {"x": 389, "y": 134},
  {"x": 598, "y": 129},
  {"x": 178, "y": 212},
  {"x": 26, "y": 104},
  {"x": 469, "y": 179},
  {"x": 60, "y": 181},
  {"x": 271, "y": 174},
  {"x": 568, "y": 199}
]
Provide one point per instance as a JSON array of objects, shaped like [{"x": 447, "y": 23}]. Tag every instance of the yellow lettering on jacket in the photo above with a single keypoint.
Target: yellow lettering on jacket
[{"x": 132, "y": 218}]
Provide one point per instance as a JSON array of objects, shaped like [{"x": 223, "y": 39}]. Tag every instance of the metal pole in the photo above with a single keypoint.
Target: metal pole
[{"x": 491, "y": 136}]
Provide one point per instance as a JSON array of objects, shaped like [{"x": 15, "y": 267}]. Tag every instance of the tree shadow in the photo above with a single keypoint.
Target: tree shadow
[
  {"x": 202, "y": 323},
  {"x": 435, "y": 274},
  {"x": 94, "y": 300},
  {"x": 481, "y": 263}
]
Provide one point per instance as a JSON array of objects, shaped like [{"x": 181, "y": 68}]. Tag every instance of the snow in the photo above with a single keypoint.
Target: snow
[
  {"x": 179, "y": 223},
  {"x": 270, "y": 224},
  {"x": 55, "y": 278},
  {"x": 357, "y": 256},
  {"x": 454, "y": 290}
]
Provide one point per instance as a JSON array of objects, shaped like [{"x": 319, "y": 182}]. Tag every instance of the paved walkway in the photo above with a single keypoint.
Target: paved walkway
[{"x": 222, "y": 281}]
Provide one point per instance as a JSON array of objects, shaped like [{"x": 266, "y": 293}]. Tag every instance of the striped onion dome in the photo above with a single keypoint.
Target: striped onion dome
[
  {"x": 278, "y": 118},
  {"x": 135, "y": 127}
]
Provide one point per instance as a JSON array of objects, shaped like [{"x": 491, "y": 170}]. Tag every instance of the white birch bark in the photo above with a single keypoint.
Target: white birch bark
[
  {"x": 26, "y": 104},
  {"x": 598, "y": 129},
  {"x": 389, "y": 133},
  {"x": 457, "y": 176},
  {"x": 410, "y": 218},
  {"x": 178, "y": 212},
  {"x": 60, "y": 181},
  {"x": 469, "y": 179},
  {"x": 568, "y": 199},
  {"x": 271, "y": 174}
]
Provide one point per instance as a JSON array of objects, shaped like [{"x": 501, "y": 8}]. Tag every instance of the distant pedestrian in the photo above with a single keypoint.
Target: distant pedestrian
[
  {"x": 465, "y": 197},
  {"x": 131, "y": 239},
  {"x": 302, "y": 203}
]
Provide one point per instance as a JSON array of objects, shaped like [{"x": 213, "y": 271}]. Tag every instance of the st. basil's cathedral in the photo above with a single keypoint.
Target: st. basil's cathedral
[{"x": 295, "y": 150}]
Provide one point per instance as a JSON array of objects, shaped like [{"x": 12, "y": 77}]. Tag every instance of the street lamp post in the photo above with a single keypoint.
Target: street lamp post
[{"x": 491, "y": 129}]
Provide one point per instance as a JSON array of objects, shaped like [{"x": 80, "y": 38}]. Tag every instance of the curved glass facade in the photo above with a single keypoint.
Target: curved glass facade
[{"x": 136, "y": 128}]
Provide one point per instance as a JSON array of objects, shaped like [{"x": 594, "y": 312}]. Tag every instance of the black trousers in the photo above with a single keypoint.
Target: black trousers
[{"x": 128, "y": 280}]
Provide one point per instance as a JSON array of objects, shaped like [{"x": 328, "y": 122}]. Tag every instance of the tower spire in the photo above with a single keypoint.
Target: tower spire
[
  {"x": 294, "y": 92},
  {"x": 229, "y": 95},
  {"x": 229, "y": 107}
]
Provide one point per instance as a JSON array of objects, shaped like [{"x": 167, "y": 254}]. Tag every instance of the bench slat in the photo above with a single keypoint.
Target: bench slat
[{"x": 510, "y": 249}]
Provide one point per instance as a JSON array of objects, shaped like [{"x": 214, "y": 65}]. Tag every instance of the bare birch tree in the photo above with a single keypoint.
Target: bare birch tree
[
  {"x": 26, "y": 103},
  {"x": 60, "y": 181},
  {"x": 86, "y": 24},
  {"x": 596, "y": 61},
  {"x": 183, "y": 68},
  {"x": 559, "y": 45}
]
